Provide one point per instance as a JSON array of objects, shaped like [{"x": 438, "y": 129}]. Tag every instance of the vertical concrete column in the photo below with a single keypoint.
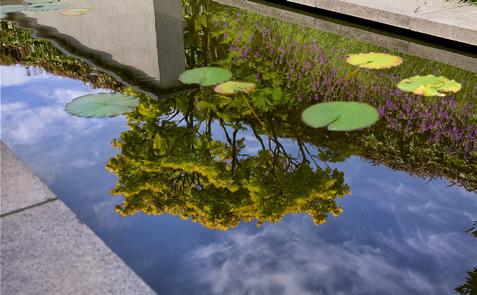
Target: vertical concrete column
[{"x": 170, "y": 41}]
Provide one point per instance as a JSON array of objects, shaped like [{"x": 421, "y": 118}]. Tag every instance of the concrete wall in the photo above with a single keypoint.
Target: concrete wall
[{"x": 132, "y": 32}]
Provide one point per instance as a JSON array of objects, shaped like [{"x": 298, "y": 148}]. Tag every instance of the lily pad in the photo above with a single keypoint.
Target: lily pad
[
  {"x": 45, "y": 6},
  {"x": 373, "y": 60},
  {"x": 101, "y": 105},
  {"x": 232, "y": 87},
  {"x": 206, "y": 76},
  {"x": 429, "y": 85},
  {"x": 340, "y": 115},
  {"x": 75, "y": 11},
  {"x": 4, "y": 9}
]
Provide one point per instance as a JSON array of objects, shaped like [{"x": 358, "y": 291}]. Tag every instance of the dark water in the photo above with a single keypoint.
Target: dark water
[{"x": 242, "y": 202}]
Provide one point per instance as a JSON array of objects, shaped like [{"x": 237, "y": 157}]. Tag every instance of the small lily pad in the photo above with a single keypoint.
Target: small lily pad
[
  {"x": 45, "y": 6},
  {"x": 206, "y": 76},
  {"x": 340, "y": 115},
  {"x": 75, "y": 11},
  {"x": 232, "y": 87},
  {"x": 101, "y": 105},
  {"x": 4, "y": 9},
  {"x": 373, "y": 60},
  {"x": 429, "y": 85}
]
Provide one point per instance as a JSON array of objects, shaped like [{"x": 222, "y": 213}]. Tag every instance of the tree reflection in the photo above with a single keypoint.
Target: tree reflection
[
  {"x": 188, "y": 157},
  {"x": 469, "y": 287}
]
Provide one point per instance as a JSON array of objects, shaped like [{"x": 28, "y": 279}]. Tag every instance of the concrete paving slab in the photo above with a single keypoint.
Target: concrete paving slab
[
  {"x": 459, "y": 22},
  {"x": 16, "y": 183},
  {"x": 46, "y": 250},
  {"x": 453, "y": 20}
]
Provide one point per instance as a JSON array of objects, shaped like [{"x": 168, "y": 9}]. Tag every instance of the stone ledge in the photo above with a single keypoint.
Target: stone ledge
[
  {"x": 45, "y": 249},
  {"x": 452, "y": 20}
]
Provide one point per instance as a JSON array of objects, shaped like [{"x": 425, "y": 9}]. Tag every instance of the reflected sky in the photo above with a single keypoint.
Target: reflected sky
[{"x": 398, "y": 234}]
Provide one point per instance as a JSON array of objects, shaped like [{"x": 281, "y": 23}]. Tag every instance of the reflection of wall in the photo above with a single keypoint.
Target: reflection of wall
[{"x": 128, "y": 30}]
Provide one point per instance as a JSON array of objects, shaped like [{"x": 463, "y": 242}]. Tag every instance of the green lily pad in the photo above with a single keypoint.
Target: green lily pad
[
  {"x": 45, "y": 6},
  {"x": 206, "y": 76},
  {"x": 373, "y": 60},
  {"x": 429, "y": 85},
  {"x": 4, "y": 9},
  {"x": 232, "y": 87},
  {"x": 101, "y": 105},
  {"x": 340, "y": 115}
]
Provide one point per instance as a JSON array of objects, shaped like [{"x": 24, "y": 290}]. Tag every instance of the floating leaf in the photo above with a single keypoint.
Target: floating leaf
[
  {"x": 232, "y": 87},
  {"x": 75, "y": 11},
  {"x": 374, "y": 60},
  {"x": 101, "y": 105},
  {"x": 206, "y": 76},
  {"x": 429, "y": 85},
  {"x": 4, "y": 9},
  {"x": 340, "y": 115},
  {"x": 45, "y": 6}
]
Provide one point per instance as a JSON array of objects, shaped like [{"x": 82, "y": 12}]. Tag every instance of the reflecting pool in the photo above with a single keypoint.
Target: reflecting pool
[{"x": 202, "y": 193}]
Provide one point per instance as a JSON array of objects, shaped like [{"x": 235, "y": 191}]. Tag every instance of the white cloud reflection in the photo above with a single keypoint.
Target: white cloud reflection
[
  {"x": 18, "y": 75},
  {"x": 307, "y": 264},
  {"x": 398, "y": 245}
]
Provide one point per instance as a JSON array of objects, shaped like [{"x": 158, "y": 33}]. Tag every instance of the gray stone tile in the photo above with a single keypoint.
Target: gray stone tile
[
  {"x": 19, "y": 187},
  {"x": 459, "y": 24},
  {"x": 46, "y": 250},
  {"x": 453, "y": 20}
]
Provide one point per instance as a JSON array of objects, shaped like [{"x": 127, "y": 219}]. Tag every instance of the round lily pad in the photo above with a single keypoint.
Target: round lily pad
[
  {"x": 4, "y": 9},
  {"x": 373, "y": 60},
  {"x": 101, "y": 105},
  {"x": 340, "y": 115},
  {"x": 44, "y": 5},
  {"x": 429, "y": 85},
  {"x": 75, "y": 11},
  {"x": 232, "y": 87},
  {"x": 206, "y": 76}
]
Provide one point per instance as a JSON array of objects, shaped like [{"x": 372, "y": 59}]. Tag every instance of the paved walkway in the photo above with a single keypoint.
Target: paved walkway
[
  {"x": 44, "y": 247},
  {"x": 453, "y": 19}
]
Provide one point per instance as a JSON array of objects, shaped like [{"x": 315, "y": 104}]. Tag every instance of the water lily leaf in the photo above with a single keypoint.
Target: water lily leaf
[
  {"x": 44, "y": 5},
  {"x": 373, "y": 60},
  {"x": 340, "y": 115},
  {"x": 4, "y": 9},
  {"x": 206, "y": 76},
  {"x": 232, "y": 87},
  {"x": 101, "y": 105},
  {"x": 75, "y": 11},
  {"x": 429, "y": 85}
]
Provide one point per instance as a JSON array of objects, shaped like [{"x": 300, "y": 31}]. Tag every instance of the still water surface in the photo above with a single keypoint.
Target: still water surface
[{"x": 243, "y": 203}]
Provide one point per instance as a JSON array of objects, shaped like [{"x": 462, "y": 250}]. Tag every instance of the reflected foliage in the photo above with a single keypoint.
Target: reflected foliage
[
  {"x": 469, "y": 287},
  {"x": 174, "y": 161}
]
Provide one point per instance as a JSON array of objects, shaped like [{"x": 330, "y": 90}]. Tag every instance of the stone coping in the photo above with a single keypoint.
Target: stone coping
[
  {"x": 45, "y": 249},
  {"x": 452, "y": 20}
]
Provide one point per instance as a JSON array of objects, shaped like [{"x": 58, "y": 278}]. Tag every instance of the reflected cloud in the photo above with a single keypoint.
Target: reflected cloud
[
  {"x": 310, "y": 264},
  {"x": 35, "y": 117},
  {"x": 18, "y": 75}
]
